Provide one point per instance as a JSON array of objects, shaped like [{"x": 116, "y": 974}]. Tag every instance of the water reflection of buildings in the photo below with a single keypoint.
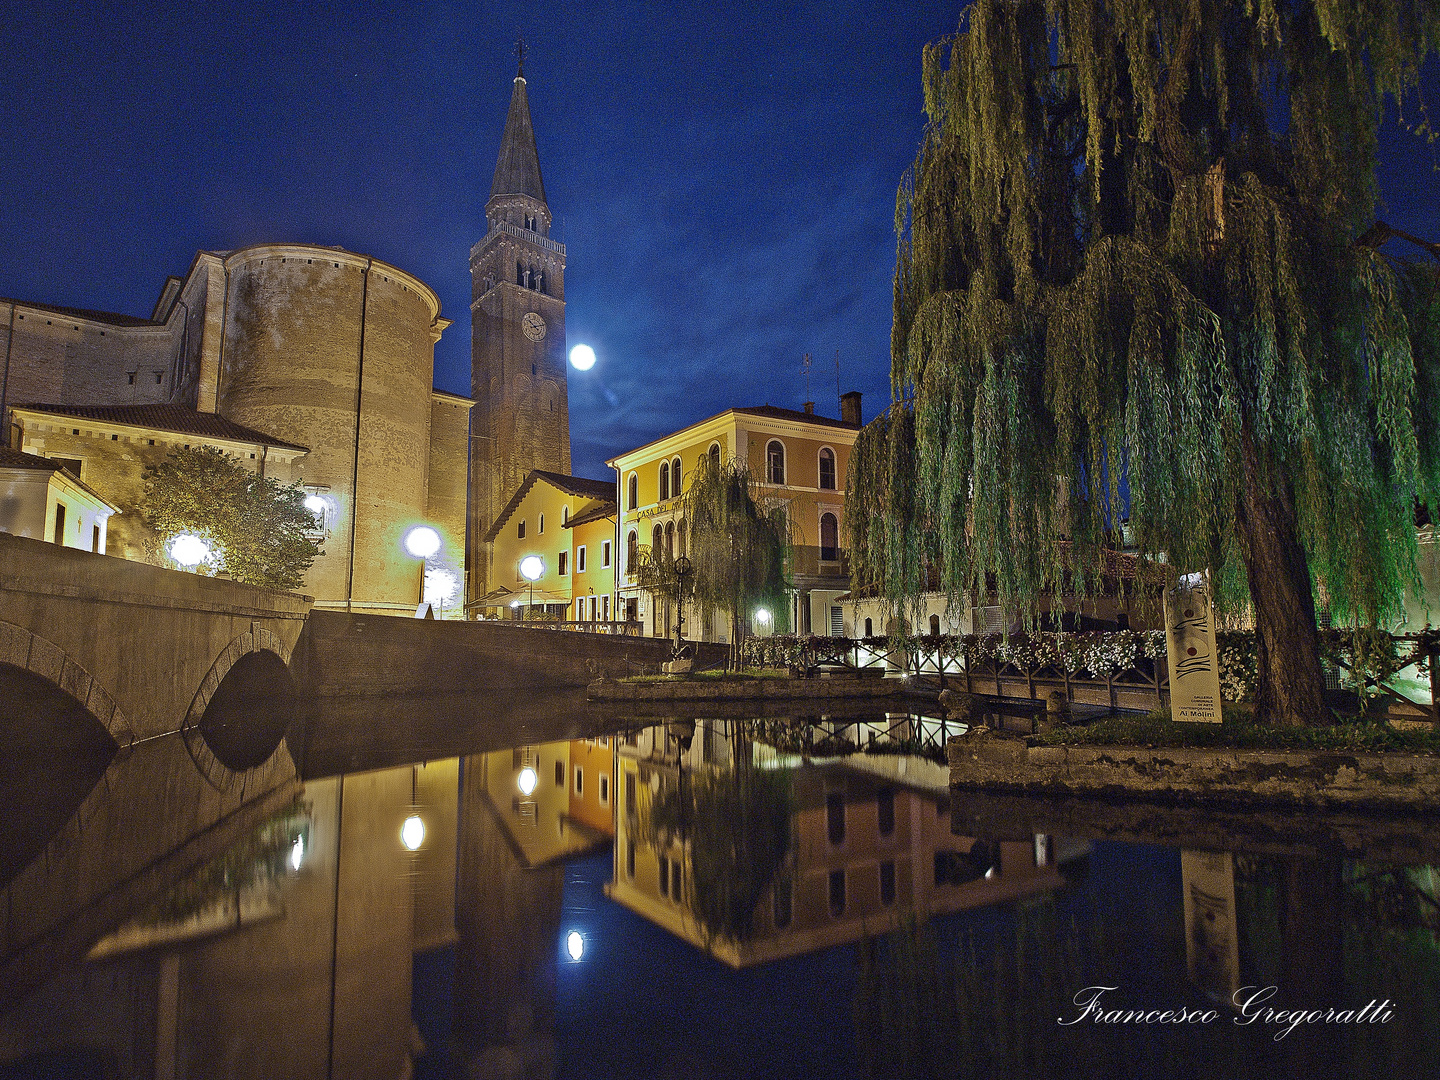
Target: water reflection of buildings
[{"x": 870, "y": 846}]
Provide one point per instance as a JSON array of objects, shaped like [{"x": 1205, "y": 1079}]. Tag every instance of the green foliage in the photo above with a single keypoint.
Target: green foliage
[
  {"x": 736, "y": 827},
  {"x": 257, "y": 526},
  {"x": 737, "y": 551},
  {"x": 1239, "y": 730},
  {"x": 1132, "y": 244}
]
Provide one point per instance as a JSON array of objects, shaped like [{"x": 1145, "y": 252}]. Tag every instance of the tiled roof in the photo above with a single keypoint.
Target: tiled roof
[
  {"x": 16, "y": 459},
  {"x": 596, "y": 513},
  {"x": 175, "y": 418},
  {"x": 85, "y": 313},
  {"x": 777, "y": 413},
  {"x": 570, "y": 485}
]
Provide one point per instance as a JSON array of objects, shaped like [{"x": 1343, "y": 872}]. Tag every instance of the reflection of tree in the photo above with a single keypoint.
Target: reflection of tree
[{"x": 735, "y": 825}]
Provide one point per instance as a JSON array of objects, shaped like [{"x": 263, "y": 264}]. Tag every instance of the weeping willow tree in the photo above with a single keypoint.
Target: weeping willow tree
[
  {"x": 1139, "y": 276},
  {"x": 737, "y": 551}
]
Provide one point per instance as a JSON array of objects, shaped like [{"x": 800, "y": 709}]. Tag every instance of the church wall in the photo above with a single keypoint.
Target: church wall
[
  {"x": 293, "y": 369},
  {"x": 447, "y": 479}
]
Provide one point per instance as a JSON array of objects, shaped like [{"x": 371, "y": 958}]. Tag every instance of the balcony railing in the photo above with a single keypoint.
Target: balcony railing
[
  {"x": 530, "y": 236},
  {"x": 819, "y": 561}
]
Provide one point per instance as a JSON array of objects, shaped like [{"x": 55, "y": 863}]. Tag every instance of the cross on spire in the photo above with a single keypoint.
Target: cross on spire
[{"x": 520, "y": 57}]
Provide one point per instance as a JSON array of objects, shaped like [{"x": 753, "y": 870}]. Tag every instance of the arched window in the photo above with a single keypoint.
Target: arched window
[
  {"x": 775, "y": 462},
  {"x": 564, "y": 516},
  {"x": 634, "y": 500},
  {"x": 934, "y": 625},
  {"x": 829, "y": 538},
  {"x": 680, "y": 539},
  {"x": 715, "y": 453},
  {"x": 675, "y": 477},
  {"x": 827, "y": 469},
  {"x": 669, "y": 540},
  {"x": 519, "y": 274},
  {"x": 664, "y": 480},
  {"x": 657, "y": 543},
  {"x": 632, "y": 552},
  {"x": 869, "y": 629}
]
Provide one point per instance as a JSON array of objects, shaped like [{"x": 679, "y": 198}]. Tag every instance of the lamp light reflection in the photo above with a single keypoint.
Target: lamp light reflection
[
  {"x": 575, "y": 944},
  {"x": 412, "y": 833},
  {"x": 297, "y": 853},
  {"x": 526, "y": 780}
]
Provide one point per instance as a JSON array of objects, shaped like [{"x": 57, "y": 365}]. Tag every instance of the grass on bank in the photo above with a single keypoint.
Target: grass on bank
[
  {"x": 1239, "y": 731},
  {"x": 717, "y": 675}
]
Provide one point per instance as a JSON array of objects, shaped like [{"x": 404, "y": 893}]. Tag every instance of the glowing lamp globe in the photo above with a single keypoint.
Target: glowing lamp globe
[
  {"x": 762, "y": 615},
  {"x": 575, "y": 944},
  {"x": 422, "y": 541},
  {"x": 526, "y": 781},
  {"x": 412, "y": 833},
  {"x": 532, "y": 567},
  {"x": 315, "y": 504},
  {"x": 297, "y": 853},
  {"x": 189, "y": 550},
  {"x": 582, "y": 357}
]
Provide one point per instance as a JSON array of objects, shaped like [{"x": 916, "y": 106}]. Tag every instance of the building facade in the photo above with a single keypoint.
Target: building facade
[
  {"x": 311, "y": 365},
  {"x": 798, "y": 460},
  {"x": 521, "y": 419}
]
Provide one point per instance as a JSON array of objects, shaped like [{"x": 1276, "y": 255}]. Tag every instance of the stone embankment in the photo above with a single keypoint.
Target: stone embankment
[
  {"x": 683, "y": 689},
  {"x": 1001, "y": 763}
]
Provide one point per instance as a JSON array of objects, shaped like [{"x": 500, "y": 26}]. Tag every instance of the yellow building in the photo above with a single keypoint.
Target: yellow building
[
  {"x": 566, "y": 524},
  {"x": 800, "y": 461}
]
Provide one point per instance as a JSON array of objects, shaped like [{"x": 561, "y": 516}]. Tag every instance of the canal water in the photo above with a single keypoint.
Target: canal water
[{"x": 601, "y": 896}]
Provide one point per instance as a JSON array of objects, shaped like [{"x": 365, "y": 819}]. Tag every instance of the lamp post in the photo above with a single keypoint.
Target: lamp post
[
  {"x": 421, "y": 543},
  {"x": 683, "y": 569},
  {"x": 532, "y": 569}
]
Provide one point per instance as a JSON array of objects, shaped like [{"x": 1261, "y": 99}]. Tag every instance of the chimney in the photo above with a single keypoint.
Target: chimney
[
  {"x": 850, "y": 408},
  {"x": 809, "y": 408}
]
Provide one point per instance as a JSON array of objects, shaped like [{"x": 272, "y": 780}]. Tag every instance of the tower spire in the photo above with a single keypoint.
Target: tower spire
[
  {"x": 517, "y": 170},
  {"x": 519, "y": 57}
]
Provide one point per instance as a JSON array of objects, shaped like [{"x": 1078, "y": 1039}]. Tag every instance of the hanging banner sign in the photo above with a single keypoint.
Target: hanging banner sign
[{"x": 1194, "y": 659}]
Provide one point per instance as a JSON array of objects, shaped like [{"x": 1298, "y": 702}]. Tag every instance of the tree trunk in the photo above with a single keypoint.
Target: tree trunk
[{"x": 1291, "y": 685}]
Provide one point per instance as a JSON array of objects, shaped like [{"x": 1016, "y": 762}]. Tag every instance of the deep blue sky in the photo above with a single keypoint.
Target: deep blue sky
[{"x": 723, "y": 174}]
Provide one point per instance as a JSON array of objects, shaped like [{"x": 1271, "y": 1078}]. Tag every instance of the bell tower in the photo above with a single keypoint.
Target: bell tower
[{"x": 521, "y": 419}]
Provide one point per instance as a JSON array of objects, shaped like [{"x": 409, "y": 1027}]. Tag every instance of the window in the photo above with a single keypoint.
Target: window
[
  {"x": 885, "y": 811},
  {"x": 837, "y": 893},
  {"x": 837, "y": 621},
  {"x": 632, "y": 551},
  {"x": 564, "y": 516},
  {"x": 715, "y": 453},
  {"x": 827, "y": 469},
  {"x": 580, "y": 559},
  {"x": 934, "y": 625},
  {"x": 130, "y": 378},
  {"x": 634, "y": 499},
  {"x": 563, "y": 558},
  {"x": 604, "y": 789},
  {"x": 542, "y": 524},
  {"x": 670, "y": 540},
  {"x": 835, "y": 816},
  {"x": 784, "y": 902},
  {"x": 605, "y": 553},
  {"x": 675, "y": 477},
  {"x": 675, "y": 893},
  {"x": 520, "y": 532},
  {"x": 775, "y": 462},
  {"x": 829, "y": 538},
  {"x": 579, "y": 780},
  {"x": 629, "y": 793},
  {"x": 657, "y": 542},
  {"x": 869, "y": 628},
  {"x": 59, "y": 523},
  {"x": 95, "y": 538},
  {"x": 559, "y": 774},
  {"x": 605, "y": 608},
  {"x": 887, "y": 883},
  {"x": 664, "y": 480}
]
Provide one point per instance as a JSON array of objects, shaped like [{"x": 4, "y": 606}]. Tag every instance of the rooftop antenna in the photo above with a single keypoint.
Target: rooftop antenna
[{"x": 805, "y": 367}]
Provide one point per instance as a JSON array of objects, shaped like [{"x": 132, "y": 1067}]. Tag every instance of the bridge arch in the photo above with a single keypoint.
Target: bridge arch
[
  {"x": 238, "y": 717},
  {"x": 29, "y": 652}
]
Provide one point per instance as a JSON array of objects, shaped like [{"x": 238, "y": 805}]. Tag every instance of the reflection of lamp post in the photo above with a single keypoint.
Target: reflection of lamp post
[{"x": 532, "y": 569}]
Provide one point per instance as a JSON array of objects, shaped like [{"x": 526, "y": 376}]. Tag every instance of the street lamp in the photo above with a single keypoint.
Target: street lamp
[
  {"x": 532, "y": 569},
  {"x": 683, "y": 569},
  {"x": 421, "y": 542}
]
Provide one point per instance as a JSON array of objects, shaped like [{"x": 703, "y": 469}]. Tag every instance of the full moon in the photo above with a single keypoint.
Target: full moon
[{"x": 582, "y": 357}]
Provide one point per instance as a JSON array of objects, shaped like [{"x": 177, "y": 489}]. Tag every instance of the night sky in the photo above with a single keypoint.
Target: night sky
[{"x": 723, "y": 175}]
